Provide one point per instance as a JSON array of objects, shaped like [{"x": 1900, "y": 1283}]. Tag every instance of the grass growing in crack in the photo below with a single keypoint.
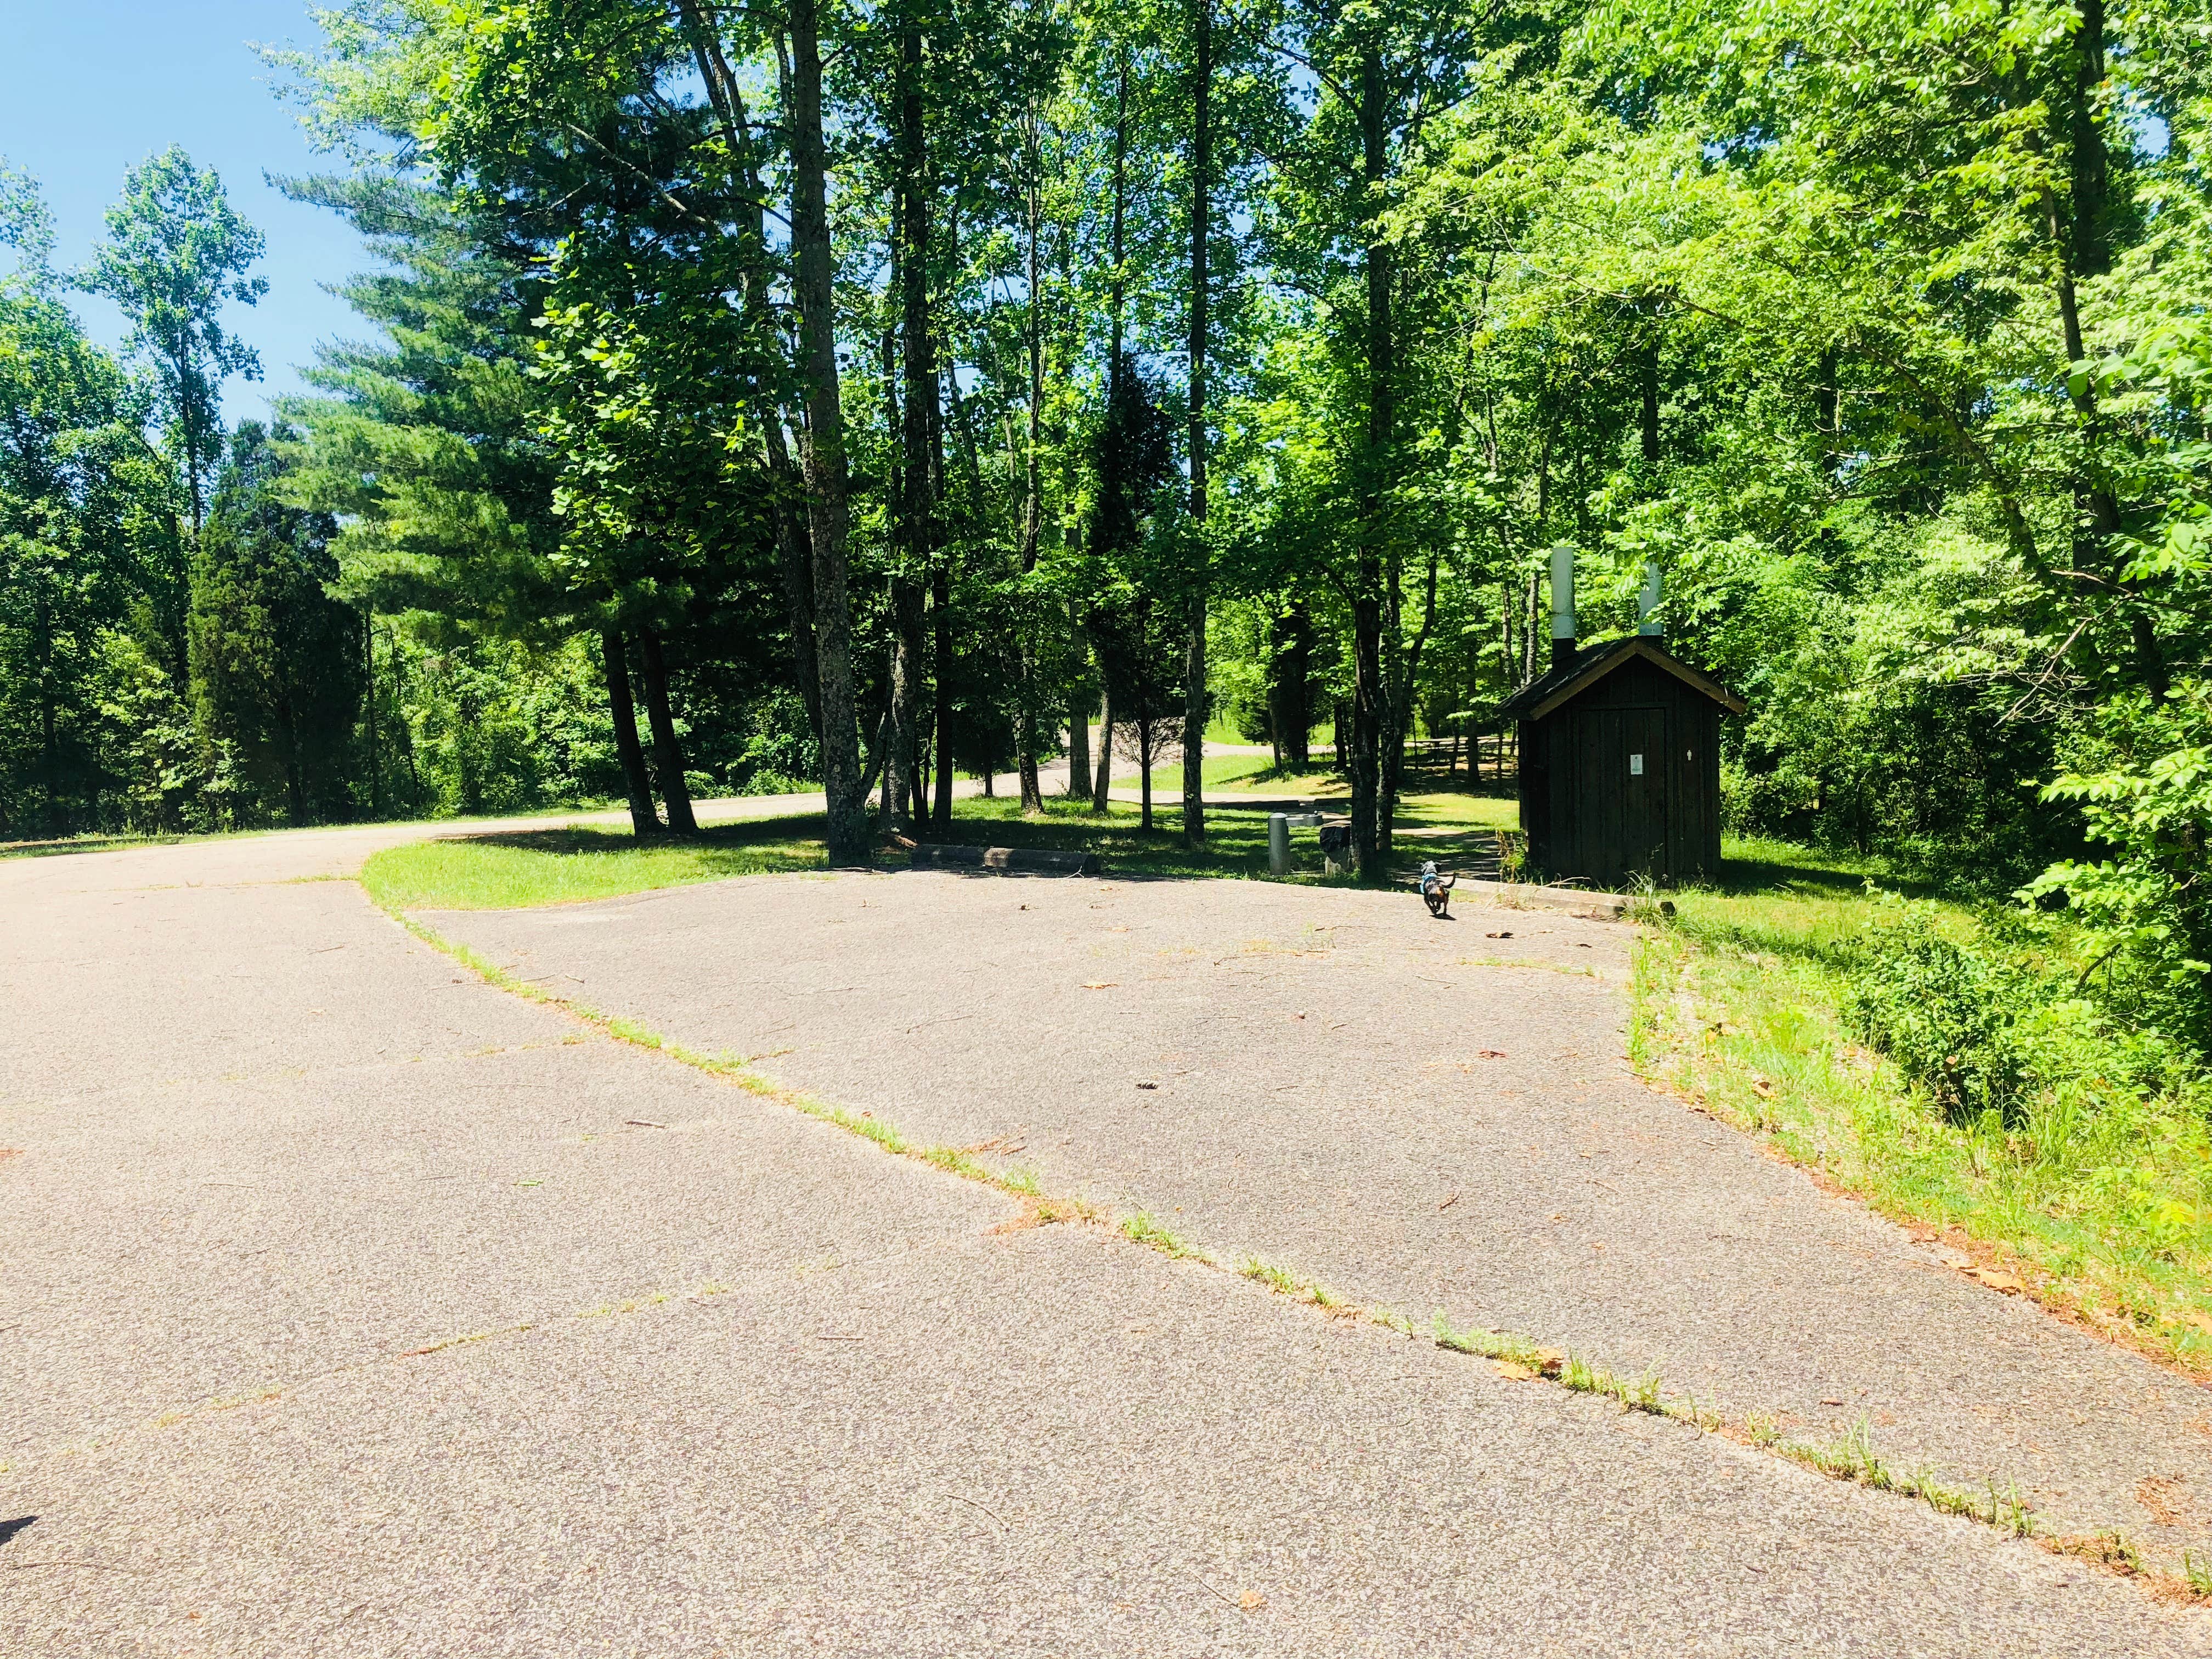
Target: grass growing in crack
[
  {"x": 1142, "y": 1228},
  {"x": 957, "y": 1162},
  {"x": 2111, "y": 1550},
  {"x": 2197, "y": 1575},
  {"x": 1640, "y": 1393},
  {"x": 1762, "y": 1429},
  {"x": 1273, "y": 1277},
  {"x": 1287, "y": 1283},
  {"x": 1487, "y": 1344},
  {"x": 1854, "y": 1459}
]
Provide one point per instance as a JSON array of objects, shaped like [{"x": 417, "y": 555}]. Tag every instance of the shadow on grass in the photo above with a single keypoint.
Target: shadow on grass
[
  {"x": 1235, "y": 843},
  {"x": 1235, "y": 838},
  {"x": 1781, "y": 869},
  {"x": 1796, "y": 904},
  {"x": 61, "y": 849},
  {"x": 577, "y": 840}
]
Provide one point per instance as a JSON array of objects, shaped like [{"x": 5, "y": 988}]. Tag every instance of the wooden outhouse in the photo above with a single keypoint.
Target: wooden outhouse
[{"x": 1620, "y": 770}]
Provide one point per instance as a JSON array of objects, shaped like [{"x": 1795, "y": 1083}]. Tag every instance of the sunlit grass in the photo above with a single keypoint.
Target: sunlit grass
[
  {"x": 559, "y": 866},
  {"x": 1737, "y": 1005},
  {"x": 1253, "y": 774}
]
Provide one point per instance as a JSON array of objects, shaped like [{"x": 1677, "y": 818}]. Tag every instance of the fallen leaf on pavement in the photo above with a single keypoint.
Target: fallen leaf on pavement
[
  {"x": 1251, "y": 1601},
  {"x": 1100, "y": 984},
  {"x": 1454, "y": 1198},
  {"x": 1512, "y": 1372},
  {"x": 1997, "y": 1279},
  {"x": 1550, "y": 1362},
  {"x": 1490, "y": 1053}
]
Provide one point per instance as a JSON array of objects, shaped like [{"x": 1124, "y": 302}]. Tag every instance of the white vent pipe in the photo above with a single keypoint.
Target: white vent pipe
[{"x": 1563, "y": 605}]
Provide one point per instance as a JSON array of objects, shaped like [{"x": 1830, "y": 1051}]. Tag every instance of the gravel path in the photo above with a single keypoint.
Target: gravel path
[{"x": 353, "y": 1308}]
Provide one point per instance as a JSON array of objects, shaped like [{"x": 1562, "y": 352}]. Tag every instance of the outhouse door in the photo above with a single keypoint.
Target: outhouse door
[{"x": 1627, "y": 755}]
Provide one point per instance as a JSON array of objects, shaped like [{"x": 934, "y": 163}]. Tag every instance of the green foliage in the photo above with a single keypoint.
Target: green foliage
[
  {"x": 277, "y": 664},
  {"x": 780, "y": 751},
  {"x": 2148, "y": 903},
  {"x": 176, "y": 251},
  {"x": 1943, "y": 1013}
]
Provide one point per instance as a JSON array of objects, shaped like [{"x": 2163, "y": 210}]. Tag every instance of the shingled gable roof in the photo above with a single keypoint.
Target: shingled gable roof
[{"x": 1540, "y": 697}]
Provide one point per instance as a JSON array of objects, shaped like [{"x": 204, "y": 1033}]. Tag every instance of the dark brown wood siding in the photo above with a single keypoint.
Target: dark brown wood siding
[{"x": 1624, "y": 779}]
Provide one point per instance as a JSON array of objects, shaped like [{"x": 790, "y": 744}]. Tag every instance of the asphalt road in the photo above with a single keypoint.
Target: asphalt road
[{"x": 350, "y": 1306}]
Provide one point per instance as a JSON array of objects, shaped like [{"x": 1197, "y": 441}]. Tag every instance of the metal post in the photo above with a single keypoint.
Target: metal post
[{"x": 1279, "y": 843}]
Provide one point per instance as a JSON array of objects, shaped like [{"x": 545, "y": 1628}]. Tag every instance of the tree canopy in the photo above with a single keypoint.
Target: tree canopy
[{"x": 874, "y": 392}]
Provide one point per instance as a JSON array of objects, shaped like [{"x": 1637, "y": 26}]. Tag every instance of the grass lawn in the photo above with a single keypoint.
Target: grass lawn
[
  {"x": 557, "y": 866},
  {"x": 2102, "y": 1212},
  {"x": 524, "y": 867},
  {"x": 1255, "y": 774}
]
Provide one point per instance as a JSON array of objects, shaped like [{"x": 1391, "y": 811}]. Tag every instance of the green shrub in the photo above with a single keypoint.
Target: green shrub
[{"x": 1945, "y": 1014}]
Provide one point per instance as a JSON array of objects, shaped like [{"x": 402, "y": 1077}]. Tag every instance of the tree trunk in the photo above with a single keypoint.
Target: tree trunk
[
  {"x": 903, "y": 739},
  {"x": 1100, "y": 800},
  {"x": 1144, "y": 768},
  {"x": 786, "y": 491},
  {"x": 1193, "y": 677},
  {"x": 794, "y": 561},
  {"x": 1078, "y": 709},
  {"x": 1371, "y": 696},
  {"x": 612, "y": 654},
  {"x": 914, "y": 490},
  {"x": 1291, "y": 712},
  {"x": 369, "y": 710},
  {"x": 1026, "y": 732},
  {"x": 1026, "y": 738},
  {"x": 667, "y": 754},
  {"x": 1401, "y": 716},
  {"x": 822, "y": 447},
  {"x": 49, "y": 757},
  {"x": 940, "y": 597},
  {"x": 295, "y": 786}
]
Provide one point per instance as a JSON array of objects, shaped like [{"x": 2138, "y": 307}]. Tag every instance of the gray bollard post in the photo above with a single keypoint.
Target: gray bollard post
[{"x": 1279, "y": 843}]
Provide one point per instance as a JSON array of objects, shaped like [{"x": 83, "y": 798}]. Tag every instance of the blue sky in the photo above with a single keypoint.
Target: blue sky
[{"x": 89, "y": 87}]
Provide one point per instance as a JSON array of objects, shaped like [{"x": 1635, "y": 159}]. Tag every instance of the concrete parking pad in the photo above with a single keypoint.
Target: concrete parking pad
[{"x": 1421, "y": 1114}]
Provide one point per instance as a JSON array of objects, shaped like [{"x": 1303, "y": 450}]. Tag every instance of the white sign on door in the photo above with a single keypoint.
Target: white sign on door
[{"x": 1636, "y": 766}]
